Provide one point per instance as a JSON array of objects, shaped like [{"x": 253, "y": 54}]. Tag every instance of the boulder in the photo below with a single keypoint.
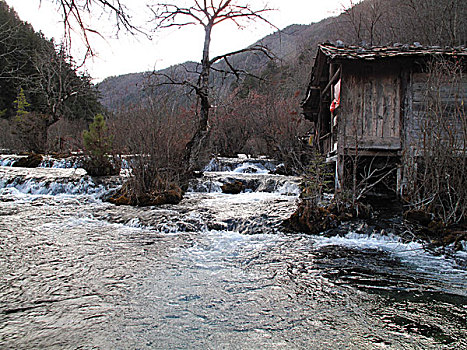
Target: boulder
[
  {"x": 312, "y": 219},
  {"x": 124, "y": 196},
  {"x": 281, "y": 169},
  {"x": 233, "y": 187},
  {"x": 102, "y": 166},
  {"x": 31, "y": 161},
  {"x": 456, "y": 238}
]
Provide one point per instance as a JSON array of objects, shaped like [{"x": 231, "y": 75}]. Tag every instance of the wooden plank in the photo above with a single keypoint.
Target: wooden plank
[
  {"x": 332, "y": 81},
  {"x": 374, "y": 142},
  {"x": 373, "y": 153},
  {"x": 368, "y": 109},
  {"x": 374, "y": 109},
  {"x": 397, "y": 108}
]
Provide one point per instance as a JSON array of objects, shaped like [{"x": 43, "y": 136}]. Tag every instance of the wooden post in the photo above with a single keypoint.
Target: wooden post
[
  {"x": 339, "y": 177},
  {"x": 399, "y": 181}
]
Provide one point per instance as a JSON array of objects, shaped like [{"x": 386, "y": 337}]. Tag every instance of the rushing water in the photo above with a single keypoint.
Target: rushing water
[{"x": 214, "y": 272}]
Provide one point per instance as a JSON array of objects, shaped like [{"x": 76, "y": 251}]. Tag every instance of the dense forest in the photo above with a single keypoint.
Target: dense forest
[{"x": 40, "y": 85}]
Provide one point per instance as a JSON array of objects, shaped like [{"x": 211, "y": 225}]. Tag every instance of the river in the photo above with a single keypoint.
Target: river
[{"x": 214, "y": 272}]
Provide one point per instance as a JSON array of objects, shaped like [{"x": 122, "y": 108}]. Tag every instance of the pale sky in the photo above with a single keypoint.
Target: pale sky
[{"x": 130, "y": 54}]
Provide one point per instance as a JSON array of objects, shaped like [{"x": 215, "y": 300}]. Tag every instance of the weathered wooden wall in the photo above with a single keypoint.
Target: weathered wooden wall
[
  {"x": 370, "y": 117},
  {"x": 435, "y": 109}
]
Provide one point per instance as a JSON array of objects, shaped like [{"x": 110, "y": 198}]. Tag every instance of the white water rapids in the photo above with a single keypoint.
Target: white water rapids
[{"x": 214, "y": 272}]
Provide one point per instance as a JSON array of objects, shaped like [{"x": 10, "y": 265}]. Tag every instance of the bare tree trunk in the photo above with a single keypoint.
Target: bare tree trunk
[{"x": 198, "y": 141}]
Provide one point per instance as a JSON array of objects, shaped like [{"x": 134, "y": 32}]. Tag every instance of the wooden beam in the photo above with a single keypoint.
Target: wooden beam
[
  {"x": 334, "y": 77},
  {"x": 372, "y": 153}
]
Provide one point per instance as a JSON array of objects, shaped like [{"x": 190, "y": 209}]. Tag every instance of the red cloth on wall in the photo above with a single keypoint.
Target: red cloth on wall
[{"x": 337, "y": 96}]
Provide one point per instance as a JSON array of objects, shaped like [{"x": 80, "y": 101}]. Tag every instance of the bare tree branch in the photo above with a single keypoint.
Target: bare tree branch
[
  {"x": 72, "y": 16},
  {"x": 257, "y": 48}
]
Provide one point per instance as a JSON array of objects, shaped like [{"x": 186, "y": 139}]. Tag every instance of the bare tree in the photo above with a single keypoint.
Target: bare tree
[
  {"x": 73, "y": 16},
  {"x": 355, "y": 20},
  {"x": 365, "y": 19},
  {"x": 206, "y": 14},
  {"x": 158, "y": 152},
  {"x": 437, "y": 22},
  {"x": 430, "y": 22},
  {"x": 7, "y": 50},
  {"x": 58, "y": 82}
]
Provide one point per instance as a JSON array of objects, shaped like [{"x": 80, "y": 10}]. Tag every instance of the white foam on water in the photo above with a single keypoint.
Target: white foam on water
[
  {"x": 214, "y": 247},
  {"x": 63, "y": 163},
  {"x": 135, "y": 222},
  {"x": 18, "y": 182},
  {"x": 13, "y": 194},
  {"x": 250, "y": 168},
  {"x": 462, "y": 253},
  {"x": 412, "y": 254},
  {"x": 83, "y": 186},
  {"x": 8, "y": 160},
  {"x": 244, "y": 197},
  {"x": 289, "y": 189},
  {"x": 240, "y": 165},
  {"x": 205, "y": 186}
]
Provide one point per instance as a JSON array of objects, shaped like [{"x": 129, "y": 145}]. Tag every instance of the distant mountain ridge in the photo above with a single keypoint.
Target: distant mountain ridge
[
  {"x": 286, "y": 44},
  {"x": 369, "y": 22}
]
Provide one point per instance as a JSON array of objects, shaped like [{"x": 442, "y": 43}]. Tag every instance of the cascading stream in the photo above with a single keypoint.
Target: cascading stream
[{"x": 215, "y": 271}]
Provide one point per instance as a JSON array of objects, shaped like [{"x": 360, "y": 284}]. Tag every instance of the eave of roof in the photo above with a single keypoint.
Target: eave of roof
[{"x": 381, "y": 52}]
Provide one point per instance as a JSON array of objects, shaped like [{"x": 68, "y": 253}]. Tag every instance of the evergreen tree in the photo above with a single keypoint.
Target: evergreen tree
[
  {"x": 98, "y": 146},
  {"x": 22, "y": 106},
  {"x": 96, "y": 140},
  {"x": 29, "y": 127}
]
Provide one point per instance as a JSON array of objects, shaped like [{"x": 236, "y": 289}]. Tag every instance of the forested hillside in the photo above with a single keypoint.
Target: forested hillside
[{"x": 40, "y": 85}]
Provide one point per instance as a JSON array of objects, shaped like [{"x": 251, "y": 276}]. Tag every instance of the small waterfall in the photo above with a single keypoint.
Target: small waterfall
[
  {"x": 74, "y": 161},
  {"x": 64, "y": 175},
  {"x": 8, "y": 160},
  {"x": 242, "y": 164},
  {"x": 56, "y": 181},
  {"x": 255, "y": 175},
  {"x": 71, "y": 162}
]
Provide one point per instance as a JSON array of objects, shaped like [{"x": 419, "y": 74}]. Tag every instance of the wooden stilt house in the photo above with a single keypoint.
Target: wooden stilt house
[{"x": 370, "y": 102}]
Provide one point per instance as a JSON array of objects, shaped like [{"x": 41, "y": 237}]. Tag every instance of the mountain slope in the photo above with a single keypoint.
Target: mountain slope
[{"x": 286, "y": 45}]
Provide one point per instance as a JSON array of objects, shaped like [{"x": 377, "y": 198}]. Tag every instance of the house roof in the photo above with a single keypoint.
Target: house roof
[
  {"x": 371, "y": 53},
  {"x": 329, "y": 52}
]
